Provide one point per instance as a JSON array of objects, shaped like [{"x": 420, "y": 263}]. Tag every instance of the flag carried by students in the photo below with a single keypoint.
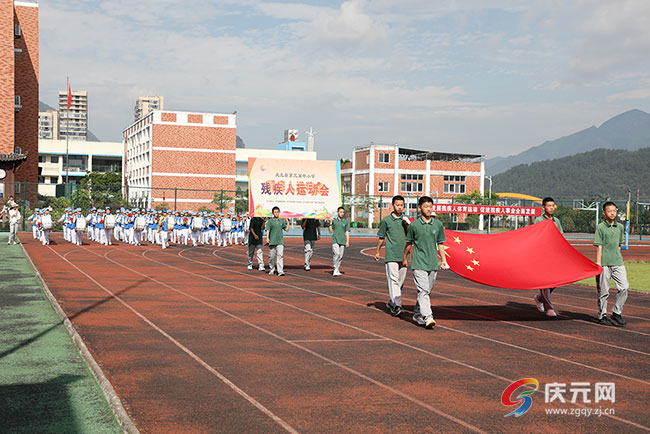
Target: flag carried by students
[{"x": 535, "y": 257}]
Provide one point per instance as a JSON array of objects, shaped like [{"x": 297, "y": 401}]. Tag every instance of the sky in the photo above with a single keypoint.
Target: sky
[{"x": 470, "y": 76}]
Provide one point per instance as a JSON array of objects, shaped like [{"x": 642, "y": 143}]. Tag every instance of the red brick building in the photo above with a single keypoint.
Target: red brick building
[
  {"x": 179, "y": 158},
  {"x": 19, "y": 96},
  {"x": 387, "y": 170}
]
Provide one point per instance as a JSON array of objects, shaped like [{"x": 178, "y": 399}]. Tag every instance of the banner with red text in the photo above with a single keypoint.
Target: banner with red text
[
  {"x": 300, "y": 188},
  {"x": 532, "y": 211}
]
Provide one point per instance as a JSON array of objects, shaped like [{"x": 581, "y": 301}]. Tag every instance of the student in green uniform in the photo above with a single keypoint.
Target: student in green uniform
[
  {"x": 340, "y": 230},
  {"x": 425, "y": 237},
  {"x": 255, "y": 234},
  {"x": 392, "y": 231},
  {"x": 608, "y": 240},
  {"x": 543, "y": 299},
  {"x": 275, "y": 240},
  {"x": 310, "y": 233}
]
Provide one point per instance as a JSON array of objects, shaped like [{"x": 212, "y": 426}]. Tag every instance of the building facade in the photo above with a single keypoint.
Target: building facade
[
  {"x": 179, "y": 157},
  {"x": 73, "y": 122},
  {"x": 82, "y": 157},
  {"x": 48, "y": 124},
  {"x": 382, "y": 171},
  {"x": 146, "y": 104},
  {"x": 19, "y": 63}
]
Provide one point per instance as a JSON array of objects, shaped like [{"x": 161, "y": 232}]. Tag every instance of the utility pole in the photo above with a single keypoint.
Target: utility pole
[{"x": 489, "y": 178}]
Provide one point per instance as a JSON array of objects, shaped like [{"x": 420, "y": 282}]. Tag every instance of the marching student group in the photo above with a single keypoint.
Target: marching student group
[
  {"x": 138, "y": 225},
  {"x": 418, "y": 242}
]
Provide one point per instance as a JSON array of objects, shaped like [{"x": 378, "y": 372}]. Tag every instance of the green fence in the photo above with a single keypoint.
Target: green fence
[{"x": 576, "y": 215}]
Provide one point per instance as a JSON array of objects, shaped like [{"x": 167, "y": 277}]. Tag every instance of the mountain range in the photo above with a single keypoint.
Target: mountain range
[{"x": 628, "y": 131}]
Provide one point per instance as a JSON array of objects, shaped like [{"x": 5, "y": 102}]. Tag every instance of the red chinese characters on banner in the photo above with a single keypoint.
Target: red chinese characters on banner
[
  {"x": 301, "y": 188},
  {"x": 531, "y": 211}
]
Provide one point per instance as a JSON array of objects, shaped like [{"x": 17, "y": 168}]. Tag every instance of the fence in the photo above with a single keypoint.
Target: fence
[{"x": 576, "y": 215}]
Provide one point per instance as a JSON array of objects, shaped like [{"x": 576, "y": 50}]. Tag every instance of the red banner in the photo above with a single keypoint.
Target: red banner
[
  {"x": 532, "y": 211},
  {"x": 534, "y": 257}
]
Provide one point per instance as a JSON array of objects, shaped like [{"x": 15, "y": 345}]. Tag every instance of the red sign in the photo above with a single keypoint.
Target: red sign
[{"x": 532, "y": 211}]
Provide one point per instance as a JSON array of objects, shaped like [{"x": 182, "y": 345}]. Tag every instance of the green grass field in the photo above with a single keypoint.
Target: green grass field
[{"x": 638, "y": 274}]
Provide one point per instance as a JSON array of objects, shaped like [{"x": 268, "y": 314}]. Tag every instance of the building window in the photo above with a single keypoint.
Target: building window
[
  {"x": 41, "y": 180},
  {"x": 54, "y": 159},
  {"x": 412, "y": 187},
  {"x": 454, "y": 188},
  {"x": 346, "y": 187},
  {"x": 413, "y": 205},
  {"x": 384, "y": 157},
  {"x": 412, "y": 177},
  {"x": 366, "y": 187},
  {"x": 41, "y": 159},
  {"x": 454, "y": 178},
  {"x": 383, "y": 187},
  {"x": 54, "y": 179}
]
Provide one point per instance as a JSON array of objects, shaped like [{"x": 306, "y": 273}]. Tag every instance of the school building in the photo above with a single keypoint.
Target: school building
[
  {"x": 18, "y": 97},
  {"x": 382, "y": 171},
  {"x": 179, "y": 157}
]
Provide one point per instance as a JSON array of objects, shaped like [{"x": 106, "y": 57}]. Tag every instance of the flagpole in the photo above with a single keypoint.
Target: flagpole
[{"x": 67, "y": 138}]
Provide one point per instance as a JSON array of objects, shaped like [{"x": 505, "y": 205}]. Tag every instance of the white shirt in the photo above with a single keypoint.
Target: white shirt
[{"x": 14, "y": 216}]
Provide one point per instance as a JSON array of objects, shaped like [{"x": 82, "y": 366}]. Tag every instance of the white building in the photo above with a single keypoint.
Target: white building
[
  {"x": 73, "y": 122},
  {"x": 48, "y": 124},
  {"x": 146, "y": 104},
  {"x": 83, "y": 156}
]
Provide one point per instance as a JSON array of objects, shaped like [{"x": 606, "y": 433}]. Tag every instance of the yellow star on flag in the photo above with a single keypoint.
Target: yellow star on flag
[
  {"x": 470, "y": 250},
  {"x": 475, "y": 262},
  {"x": 457, "y": 240},
  {"x": 469, "y": 267}
]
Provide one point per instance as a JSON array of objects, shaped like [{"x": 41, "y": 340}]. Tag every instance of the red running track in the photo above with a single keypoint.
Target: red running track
[{"x": 192, "y": 342}]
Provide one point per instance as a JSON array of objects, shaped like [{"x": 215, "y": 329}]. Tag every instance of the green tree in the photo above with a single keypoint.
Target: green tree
[
  {"x": 162, "y": 206},
  {"x": 241, "y": 201},
  {"x": 205, "y": 209},
  {"x": 221, "y": 199}
]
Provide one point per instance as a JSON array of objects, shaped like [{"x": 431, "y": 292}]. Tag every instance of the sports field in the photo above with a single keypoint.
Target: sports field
[{"x": 193, "y": 342}]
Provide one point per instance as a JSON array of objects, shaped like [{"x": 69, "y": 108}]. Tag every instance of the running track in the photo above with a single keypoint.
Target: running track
[{"x": 192, "y": 342}]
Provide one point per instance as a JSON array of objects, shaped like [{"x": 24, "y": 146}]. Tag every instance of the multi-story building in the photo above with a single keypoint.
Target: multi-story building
[
  {"x": 146, "y": 104},
  {"x": 73, "y": 122},
  {"x": 19, "y": 62},
  {"x": 82, "y": 156},
  {"x": 48, "y": 124},
  {"x": 382, "y": 171},
  {"x": 179, "y": 157}
]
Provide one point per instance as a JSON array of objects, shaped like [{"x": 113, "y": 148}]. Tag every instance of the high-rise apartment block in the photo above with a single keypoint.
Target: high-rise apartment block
[
  {"x": 18, "y": 96},
  {"x": 146, "y": 104},
  {"x": 48, "y": 124},
  {"x": 179, "y": 157},
  {"x": 73, "y": 122}
]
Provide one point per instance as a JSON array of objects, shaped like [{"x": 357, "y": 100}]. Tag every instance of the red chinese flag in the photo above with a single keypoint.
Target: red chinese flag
[
  {"x": 534, "y": 257},
  {"x": 69, "y": 97}
]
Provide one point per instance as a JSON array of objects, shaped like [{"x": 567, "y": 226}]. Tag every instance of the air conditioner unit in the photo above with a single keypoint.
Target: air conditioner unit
[
  {"x": 17, "y": 31},
  {"x": 17, "y": 105},
  {"x": 18, "y": 150}
]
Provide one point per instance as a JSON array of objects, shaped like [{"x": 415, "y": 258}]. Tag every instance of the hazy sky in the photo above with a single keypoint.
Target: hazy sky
[{"x": 476, "y": 76}]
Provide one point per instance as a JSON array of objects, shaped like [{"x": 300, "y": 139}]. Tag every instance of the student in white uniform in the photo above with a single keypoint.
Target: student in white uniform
[
  {"x": 46, "y": 225},
  {"x": 109, "y": 225}
]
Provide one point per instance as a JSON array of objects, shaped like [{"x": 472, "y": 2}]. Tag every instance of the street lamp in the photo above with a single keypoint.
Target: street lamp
[{"x": 489, "y": 178}]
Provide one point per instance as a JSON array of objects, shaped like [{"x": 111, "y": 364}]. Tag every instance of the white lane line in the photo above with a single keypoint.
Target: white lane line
[
  {"x": 315, "y": 354},
  {"x": 186, "y": 350}
]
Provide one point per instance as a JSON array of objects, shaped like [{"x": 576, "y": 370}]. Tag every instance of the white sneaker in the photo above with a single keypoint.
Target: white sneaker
[
  {"x": 261, "y": 269},
  {"x": 429, "y": 323},
  {"x": 250, "y": 267},
  {"x": 539, "y": 303},
  {"x": 307, "y": 268},
  {"x": 336, "y": 273},
  {"x": 551, "y": 313}
]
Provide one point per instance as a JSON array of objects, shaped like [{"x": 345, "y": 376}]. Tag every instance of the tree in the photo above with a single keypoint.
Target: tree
[
  {"x": 221, "y": 199},
  {"x": 241, "y": 201},
  {"x": 103, "y": 189},
  {"x": 162, "y": 206},
  {"x": 205, "y": 209}
]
